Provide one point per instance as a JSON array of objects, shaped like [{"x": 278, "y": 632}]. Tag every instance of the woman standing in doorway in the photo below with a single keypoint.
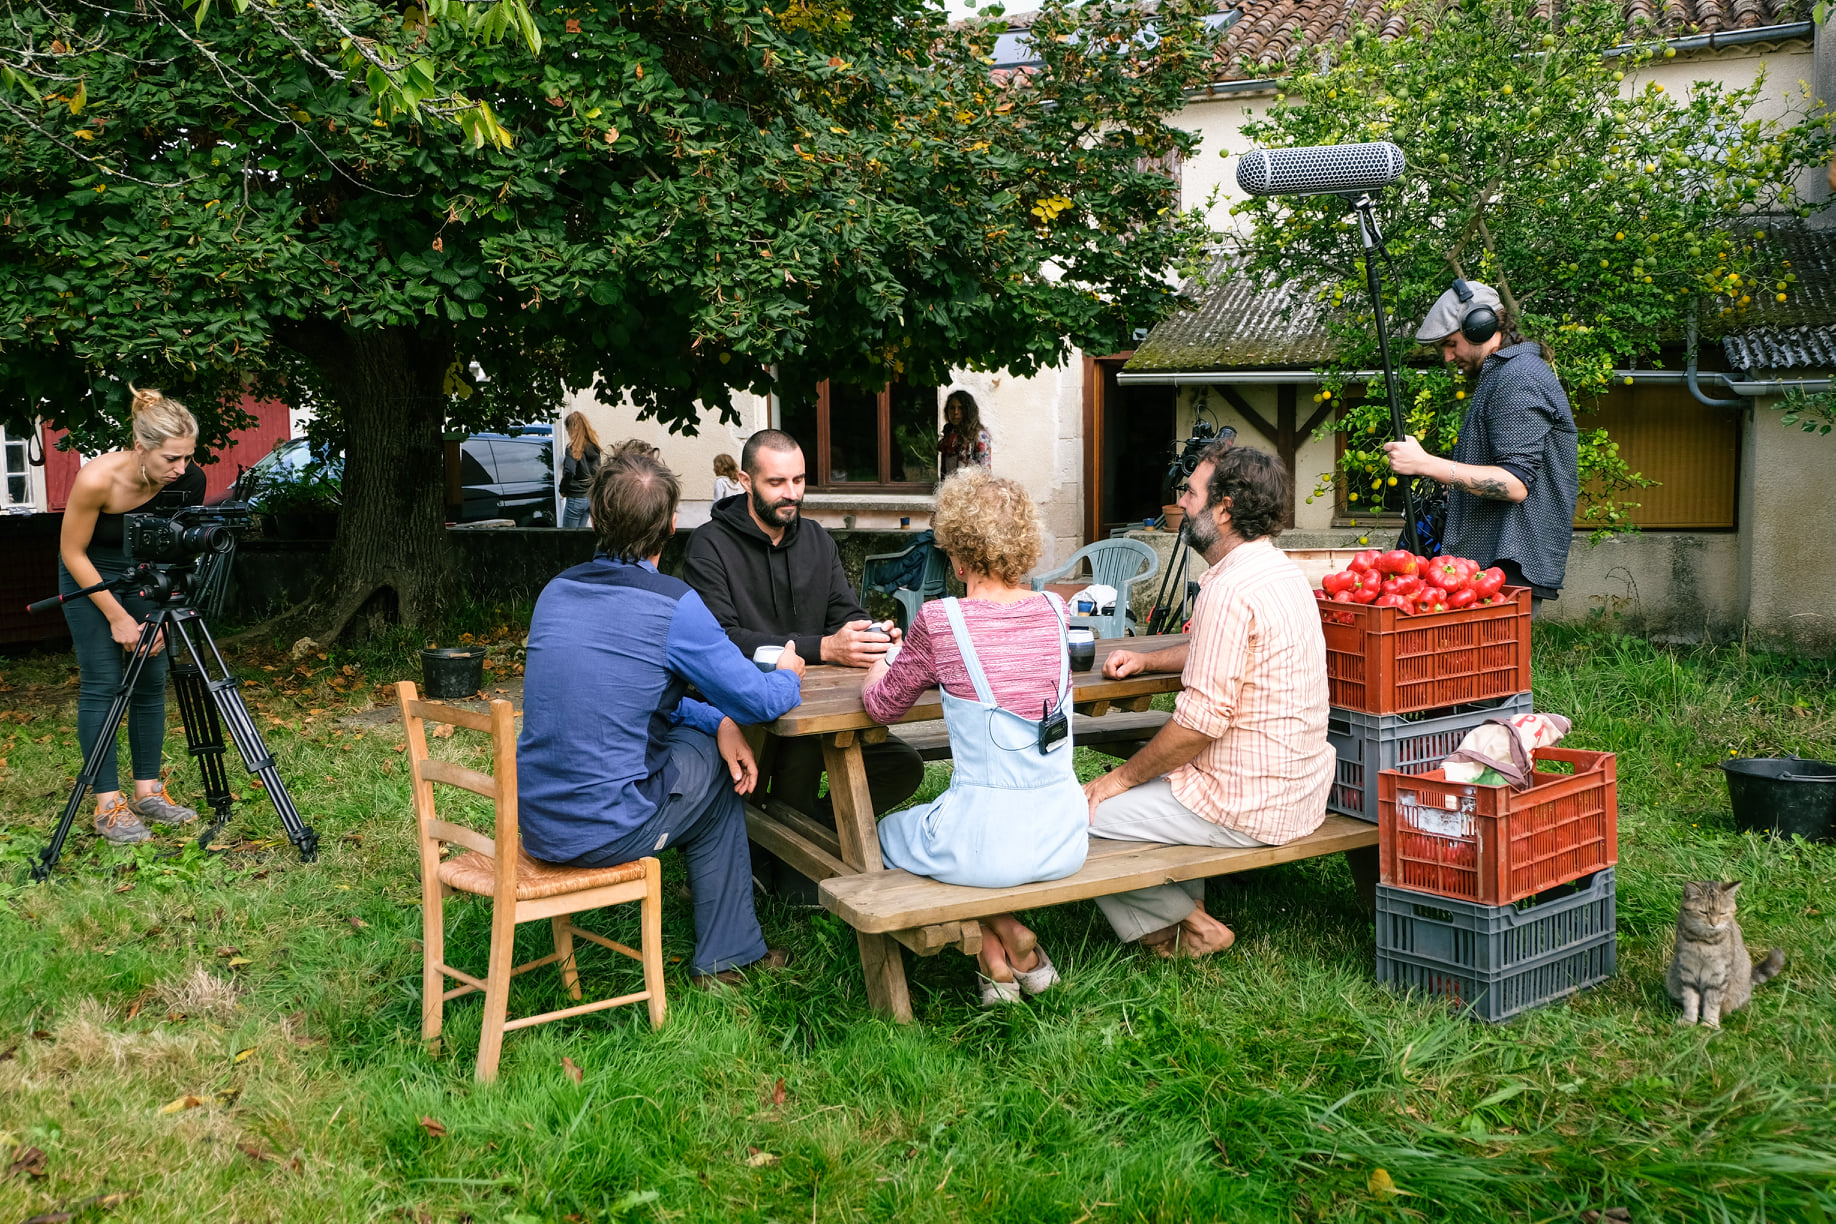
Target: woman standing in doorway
[
  {"x": 964, "y": 441},
  {"x": 577, "y": 468},
  {"x": 91, "y": 549}
]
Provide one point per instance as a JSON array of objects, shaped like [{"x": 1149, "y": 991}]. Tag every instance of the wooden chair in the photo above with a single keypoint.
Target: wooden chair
[{"x": 521, "y": 889}]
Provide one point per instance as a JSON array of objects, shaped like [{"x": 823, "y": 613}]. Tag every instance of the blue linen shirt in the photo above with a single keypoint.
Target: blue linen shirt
[{"x": 613, "y": 647}]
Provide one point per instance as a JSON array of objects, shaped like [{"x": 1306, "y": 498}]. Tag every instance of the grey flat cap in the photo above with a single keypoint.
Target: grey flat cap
[{"x": 1444, "y": 317}]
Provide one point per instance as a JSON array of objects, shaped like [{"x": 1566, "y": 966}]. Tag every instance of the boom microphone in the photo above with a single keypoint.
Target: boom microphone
[{"x": 1320, "y": 169}]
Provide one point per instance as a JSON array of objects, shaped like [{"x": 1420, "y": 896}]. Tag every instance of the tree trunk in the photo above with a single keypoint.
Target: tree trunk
[{"x": 389, "y": 559}]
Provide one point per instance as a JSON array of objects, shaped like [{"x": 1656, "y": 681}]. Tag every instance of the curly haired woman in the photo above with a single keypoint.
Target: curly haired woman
[{"x": 1014, "y": 812}]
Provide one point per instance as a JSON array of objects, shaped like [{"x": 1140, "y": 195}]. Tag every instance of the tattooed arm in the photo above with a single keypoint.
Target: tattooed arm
[{"x": 1407, "y": 458}]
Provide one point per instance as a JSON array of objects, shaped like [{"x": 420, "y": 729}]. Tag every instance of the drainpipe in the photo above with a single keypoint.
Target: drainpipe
[{"x": 1689, "y": 367}]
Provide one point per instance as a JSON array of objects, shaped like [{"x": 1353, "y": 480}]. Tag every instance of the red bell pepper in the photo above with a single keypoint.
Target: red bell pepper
[
  {"x": 1465, "y": 597},
  {"x": 1332, "y": 584},
  {"x": 1488, "y": 582},
  {"x": 1365, "y": 560},
  {"x": 1397, "y": 561}
]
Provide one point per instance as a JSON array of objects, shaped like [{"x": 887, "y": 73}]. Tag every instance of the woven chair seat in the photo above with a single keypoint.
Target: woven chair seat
[{"x": 474, "y": 873}]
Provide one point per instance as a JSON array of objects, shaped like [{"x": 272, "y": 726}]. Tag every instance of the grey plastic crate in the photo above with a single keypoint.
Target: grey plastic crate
[
  {"x": 1368, "y": 744},
  {"x": 1498, "y": 960}
]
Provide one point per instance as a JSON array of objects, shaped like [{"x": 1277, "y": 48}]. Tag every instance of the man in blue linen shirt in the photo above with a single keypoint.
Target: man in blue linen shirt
[{"x": 615, "y": 761}]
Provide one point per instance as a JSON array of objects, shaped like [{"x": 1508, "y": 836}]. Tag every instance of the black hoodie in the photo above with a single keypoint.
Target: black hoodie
[{"x": 764, "y": 595}]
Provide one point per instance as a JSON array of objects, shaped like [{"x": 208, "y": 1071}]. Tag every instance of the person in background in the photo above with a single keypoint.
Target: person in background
[
  {"x": 1244, "y": 761},
  {"x": 767, "y": 573},
  {"x": 1013, "y": 814},
  {"x": 964, "y": 441},
  {"x": 104, "y": 626},
  {"x": 726, "y": 478},
  {"x": 578, "y": 464},
  {"x": 615, "y": 762},
  {"x": 1514, "y": 475}
]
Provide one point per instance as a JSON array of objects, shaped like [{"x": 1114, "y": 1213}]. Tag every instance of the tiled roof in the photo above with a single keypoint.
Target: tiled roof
[
  {"x": 1236, "y": 325},
  {"x": 1267, "y": 33},
  {"x": 1799, "y": 333}
]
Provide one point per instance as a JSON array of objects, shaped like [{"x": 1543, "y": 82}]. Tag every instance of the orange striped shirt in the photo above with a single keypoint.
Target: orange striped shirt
[{"x": 1255, "y": 683}]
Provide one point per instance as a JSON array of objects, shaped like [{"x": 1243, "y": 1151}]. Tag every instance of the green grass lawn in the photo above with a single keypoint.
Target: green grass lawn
[{"x": 1272, "y": 1083}]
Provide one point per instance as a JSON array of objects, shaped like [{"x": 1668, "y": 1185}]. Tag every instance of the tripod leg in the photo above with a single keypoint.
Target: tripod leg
[
  {"x": 92, "y": 764},
  {"x": 227, "y": 698},
  {"x": 204, "y": 739}
]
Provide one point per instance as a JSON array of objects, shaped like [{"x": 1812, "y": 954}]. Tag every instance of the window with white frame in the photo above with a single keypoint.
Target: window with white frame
[{"x": 15, "y": 472}]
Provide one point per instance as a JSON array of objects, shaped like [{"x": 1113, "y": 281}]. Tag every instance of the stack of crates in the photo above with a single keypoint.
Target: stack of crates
[
  {"x": 1405, "y": 690},
  {"x": 1495, "y": 900}
]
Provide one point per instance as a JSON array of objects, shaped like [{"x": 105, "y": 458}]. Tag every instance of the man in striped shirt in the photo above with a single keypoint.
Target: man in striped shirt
[{"x": 1244, "y": 761}]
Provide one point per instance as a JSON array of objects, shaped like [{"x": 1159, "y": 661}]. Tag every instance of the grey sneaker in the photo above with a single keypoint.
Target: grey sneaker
[
  {"x": 158, "y": 808},
  {"x": 118, "y": 824}
]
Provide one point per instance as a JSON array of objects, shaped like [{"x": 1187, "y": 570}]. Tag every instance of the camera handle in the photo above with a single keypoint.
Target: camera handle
[{"x": 206, "y": 705}]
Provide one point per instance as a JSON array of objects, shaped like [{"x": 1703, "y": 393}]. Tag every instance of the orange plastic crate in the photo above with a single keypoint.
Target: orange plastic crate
[
  {"x": 1382, "y": 661},
  {"x": 1511, "y": 845}
]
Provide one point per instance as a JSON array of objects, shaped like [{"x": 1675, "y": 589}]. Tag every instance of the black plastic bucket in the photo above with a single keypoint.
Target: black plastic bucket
[
  {"x": 452, "y": 672},
  {"x": 1783, "y": 796}
]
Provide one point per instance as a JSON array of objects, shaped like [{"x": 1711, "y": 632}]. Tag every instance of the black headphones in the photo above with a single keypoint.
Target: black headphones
[{"x": 1478, "y": 324}]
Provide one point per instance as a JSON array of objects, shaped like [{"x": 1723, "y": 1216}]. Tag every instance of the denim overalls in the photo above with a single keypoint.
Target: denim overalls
[{"x": 1012, "y": 815}]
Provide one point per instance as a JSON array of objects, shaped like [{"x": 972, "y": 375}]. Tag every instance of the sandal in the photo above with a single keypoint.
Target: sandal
[
  {"x": 994, "y": 993},
  {"x": 1041, "y": 977}
]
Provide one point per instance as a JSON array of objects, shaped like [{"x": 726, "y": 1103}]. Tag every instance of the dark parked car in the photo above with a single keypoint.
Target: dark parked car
[
  {"x": 507, "y": 476},
  {"x": 501, "y": 475}
]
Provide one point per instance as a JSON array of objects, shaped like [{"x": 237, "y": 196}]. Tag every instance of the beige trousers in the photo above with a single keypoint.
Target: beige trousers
[{"x": 1150, "y": 813}]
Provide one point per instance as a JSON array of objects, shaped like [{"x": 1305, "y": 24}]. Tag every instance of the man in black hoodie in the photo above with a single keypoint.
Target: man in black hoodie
[{"x": 768, "y": 575}]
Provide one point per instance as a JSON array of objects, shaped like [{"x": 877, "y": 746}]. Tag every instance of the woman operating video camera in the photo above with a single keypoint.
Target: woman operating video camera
[{"x": 105, "y": 626}]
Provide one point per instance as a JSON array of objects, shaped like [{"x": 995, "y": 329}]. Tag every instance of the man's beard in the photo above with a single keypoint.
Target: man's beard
[
  {"x": 1202, "y": 532},
  {"x": 782, "y": 512}
]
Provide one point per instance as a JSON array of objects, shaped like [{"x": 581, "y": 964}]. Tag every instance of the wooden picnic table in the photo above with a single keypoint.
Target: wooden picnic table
[{"x": 928, "y": 916}]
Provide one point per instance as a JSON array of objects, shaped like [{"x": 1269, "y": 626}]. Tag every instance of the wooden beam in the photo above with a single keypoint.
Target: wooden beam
[{"x": 1255, "y": 419}]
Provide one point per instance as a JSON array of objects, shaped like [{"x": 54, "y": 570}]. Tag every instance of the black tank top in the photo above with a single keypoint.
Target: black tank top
[{"x": 110, "y": 533}]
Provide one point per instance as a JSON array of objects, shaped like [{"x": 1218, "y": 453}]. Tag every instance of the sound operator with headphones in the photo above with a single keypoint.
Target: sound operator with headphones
[{"x": 1513, "y": 477}]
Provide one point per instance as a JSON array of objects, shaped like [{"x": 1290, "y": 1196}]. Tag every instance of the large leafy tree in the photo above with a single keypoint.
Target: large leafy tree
[
  {"x": 363, "y": 204},
  {"x": 1544, "y": 160}
]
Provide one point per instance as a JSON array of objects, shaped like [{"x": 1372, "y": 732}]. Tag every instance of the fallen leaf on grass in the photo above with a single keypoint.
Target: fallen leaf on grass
[
  {"x": 433, "y": 1126},
  {"x": 30, "y": 1161},
  {"x": 777, "y": 1093},
  {"x": 757, "y": 1159},
  {"x": 1612, "y": 1215},
  {"x": 7, "y": 1054},
  {"x": 229, "y": 950},
  {"x": 352, "y": 839},
  {"x": 235, "y": 961},
  {"x": 128, "y": 887},
  {"x": 357, "y": 924},
  {"x": 227, "y": 1096},
  {"x": 573, "y": 1072},
  {"x": 243, "y": 1054},
  {"x": 1381, "y": 1185},
  {"x": 51, "y": 1217},
  {"x": 180, "y": 1105},
  {"x": 443, "y": 731}
]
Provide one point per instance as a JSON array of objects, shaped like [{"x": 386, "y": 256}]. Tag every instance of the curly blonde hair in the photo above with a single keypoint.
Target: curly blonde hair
[{"x": 988, "y": 524}]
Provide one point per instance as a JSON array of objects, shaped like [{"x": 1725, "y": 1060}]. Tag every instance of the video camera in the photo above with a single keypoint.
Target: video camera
[
  {"x": 190, "y": 532},
  {"x": 1186, "y": 454}
]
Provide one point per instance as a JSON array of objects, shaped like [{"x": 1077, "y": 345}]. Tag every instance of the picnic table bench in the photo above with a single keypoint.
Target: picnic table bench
[{"x": 890, "y": 909}]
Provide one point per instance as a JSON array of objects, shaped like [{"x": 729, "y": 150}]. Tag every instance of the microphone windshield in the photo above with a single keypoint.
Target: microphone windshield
[{"x": 1320, "y": 169}]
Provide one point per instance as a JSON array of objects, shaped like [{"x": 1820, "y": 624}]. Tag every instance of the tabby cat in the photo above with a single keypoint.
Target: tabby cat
[{"x": 1710, "y": 974}]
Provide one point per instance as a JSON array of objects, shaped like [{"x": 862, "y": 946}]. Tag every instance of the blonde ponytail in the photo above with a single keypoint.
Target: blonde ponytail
[{"x": 159, "y": 418}]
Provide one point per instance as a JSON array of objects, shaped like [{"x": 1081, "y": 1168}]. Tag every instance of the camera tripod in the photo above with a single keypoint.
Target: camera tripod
[{"x": 207, "y": 700}]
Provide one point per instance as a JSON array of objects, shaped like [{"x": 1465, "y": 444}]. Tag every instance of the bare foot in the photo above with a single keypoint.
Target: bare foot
[
  {"x": 993, "y": 961},
  {"x": 1014, "y": 936},
  {"x": 1198, "y": 935}
]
